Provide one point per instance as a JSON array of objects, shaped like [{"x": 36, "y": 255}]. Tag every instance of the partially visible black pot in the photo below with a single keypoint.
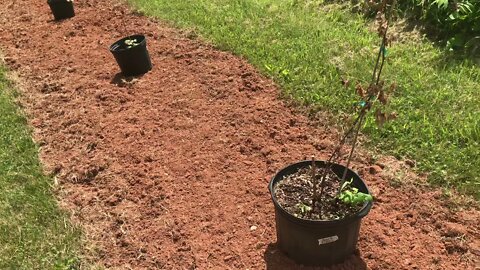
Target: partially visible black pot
[
  {"x": 317, "y": 243},
  {"x": 61, "y": 9},
  {"x": 132, "y": 61}
]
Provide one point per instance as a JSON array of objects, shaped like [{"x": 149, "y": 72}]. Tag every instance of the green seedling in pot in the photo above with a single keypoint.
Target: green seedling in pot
[
  {"x": 350, "y": 195},
  {"x": 131, "y": 42},
  {"x": 304, "y": 209}
]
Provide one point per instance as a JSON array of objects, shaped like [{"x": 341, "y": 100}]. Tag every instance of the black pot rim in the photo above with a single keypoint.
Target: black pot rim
[
  {"x": 142, "y": 38},
  {"x": 360, "y": 214},
  {"x": 59, "y": 1}
]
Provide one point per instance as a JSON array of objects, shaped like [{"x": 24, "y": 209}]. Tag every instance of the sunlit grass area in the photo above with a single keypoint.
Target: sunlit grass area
[
  {"x": 34, "y": 233},
  {"x": 309, "y": 48}
]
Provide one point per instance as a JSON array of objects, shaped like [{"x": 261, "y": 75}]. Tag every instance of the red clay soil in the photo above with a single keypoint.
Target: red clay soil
[{"x": 170, "y": 170}]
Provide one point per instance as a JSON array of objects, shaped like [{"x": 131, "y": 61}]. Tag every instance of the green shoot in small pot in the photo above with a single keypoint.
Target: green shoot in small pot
[
  {"x": 131, "y": 43},
  {"x": 304, "y": 208}
]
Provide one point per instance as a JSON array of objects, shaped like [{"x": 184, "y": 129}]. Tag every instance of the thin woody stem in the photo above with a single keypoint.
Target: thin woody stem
[
  {"x": 376, "y": 63},
  {"x": 357, "y": 124},
  {"x": 383, "y": 59},
  {"x": 353, "y": 149},
  {"x": 314, "y": 181},
  {"x": 328, "y": 163},
  {"x": 342, "y": 141}
]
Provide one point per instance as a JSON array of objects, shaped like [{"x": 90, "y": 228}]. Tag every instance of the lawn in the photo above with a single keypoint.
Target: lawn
[
  {"x": 308, "y": 48},
  {"x": 34, "y": 233}
]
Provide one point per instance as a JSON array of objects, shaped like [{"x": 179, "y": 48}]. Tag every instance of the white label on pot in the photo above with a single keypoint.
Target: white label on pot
[{"x": 327, "y": 240}]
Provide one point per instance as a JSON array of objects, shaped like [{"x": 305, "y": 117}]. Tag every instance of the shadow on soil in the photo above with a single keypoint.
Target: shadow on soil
[
  {"x": 121, "y": 81},
  {"x": 277, "y": 260},
  {"x": 53, "y": 21}
]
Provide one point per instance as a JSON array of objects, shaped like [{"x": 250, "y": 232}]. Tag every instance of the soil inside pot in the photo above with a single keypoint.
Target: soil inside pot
[
  {"x": 294, "y": 193},
  {"x": 126, "y": 44}
]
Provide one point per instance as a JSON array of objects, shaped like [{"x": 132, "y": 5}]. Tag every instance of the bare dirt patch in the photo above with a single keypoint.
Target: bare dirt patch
[{"x": 170, "y": 170}]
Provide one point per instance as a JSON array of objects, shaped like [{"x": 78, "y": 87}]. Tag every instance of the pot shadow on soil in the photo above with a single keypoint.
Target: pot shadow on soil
[
  {"x": 121, "y": 80},
  {"x": 277, "y": 260},
  {"x": 53, "y": 21}
]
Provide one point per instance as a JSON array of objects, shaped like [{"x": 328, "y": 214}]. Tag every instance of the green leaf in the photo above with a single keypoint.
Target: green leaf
[
  {"x": 304, "y": 208},
  {"x": 441, "y": 4},
  {"x": 350, "y": 195}
]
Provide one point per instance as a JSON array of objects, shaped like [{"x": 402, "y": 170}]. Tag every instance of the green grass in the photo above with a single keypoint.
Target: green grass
[
  {"x": 308, "y": 48},
  {"x": 34, "y": 233}
]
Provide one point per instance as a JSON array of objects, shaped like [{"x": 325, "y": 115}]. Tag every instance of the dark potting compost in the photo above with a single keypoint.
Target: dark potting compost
[{"x": 295, "y": 194}]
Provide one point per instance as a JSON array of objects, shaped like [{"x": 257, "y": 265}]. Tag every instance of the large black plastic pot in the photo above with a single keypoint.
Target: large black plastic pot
[
  {"x": 61, "y": 9},
  {"x": 132, "y": 61},
  {"x": 317, "y": 243}
]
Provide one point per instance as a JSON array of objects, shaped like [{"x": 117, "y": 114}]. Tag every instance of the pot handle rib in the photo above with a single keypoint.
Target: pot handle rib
[{"x": 365, "y": 210}]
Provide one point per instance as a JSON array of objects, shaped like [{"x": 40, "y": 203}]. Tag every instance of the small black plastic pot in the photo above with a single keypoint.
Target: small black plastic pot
[
  {"x": 61, "y": 9},
  {"x": 317, "y": 243},
  {"x": 134, "y": 60}
]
